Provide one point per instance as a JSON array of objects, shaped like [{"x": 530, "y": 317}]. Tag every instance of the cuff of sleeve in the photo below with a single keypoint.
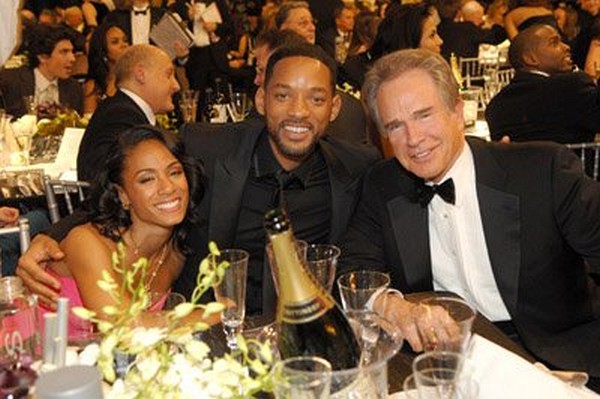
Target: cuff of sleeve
[{"x": 385, "y": 291}]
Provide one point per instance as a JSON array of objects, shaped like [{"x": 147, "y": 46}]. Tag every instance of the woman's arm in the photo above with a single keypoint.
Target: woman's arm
[{"x": 509, "y": 24}]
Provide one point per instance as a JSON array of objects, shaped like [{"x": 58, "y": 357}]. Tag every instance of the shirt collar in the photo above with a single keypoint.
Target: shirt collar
[
  {"x": 41, "y": 82},
  {"x": 462, "y": 174},
  {"x": 266, "y": 165},
  {"x": 142, "y": 104},
  {"x": 541, "y": 73}
]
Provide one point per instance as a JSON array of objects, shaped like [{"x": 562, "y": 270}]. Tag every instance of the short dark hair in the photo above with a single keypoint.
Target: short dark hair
[
  {"x": 104, "y": 206},
  {"x": 274, "y": 38},
  {"x": 526, "y": 41},
  {"x": 98, "y": 55},
  {"x": 302, "y": 50},
  {"x": 43, "y": 39}
]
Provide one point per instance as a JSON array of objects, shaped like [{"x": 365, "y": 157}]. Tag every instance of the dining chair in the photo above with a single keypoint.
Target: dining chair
[
  {"x": 22, "y": 228},
  {"x": 589, "y": 153},
  {"x": 474, "y": 71},
  {"x": 66, "y": 188}
]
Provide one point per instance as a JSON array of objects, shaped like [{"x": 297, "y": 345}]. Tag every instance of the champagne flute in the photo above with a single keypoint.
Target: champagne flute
[
  {"x": 232, "y": 293},
  {"x": 238, "y": 106}
]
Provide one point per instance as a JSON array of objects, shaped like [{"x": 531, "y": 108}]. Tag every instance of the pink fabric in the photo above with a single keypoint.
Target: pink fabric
[{"x": 78, "y": 328}]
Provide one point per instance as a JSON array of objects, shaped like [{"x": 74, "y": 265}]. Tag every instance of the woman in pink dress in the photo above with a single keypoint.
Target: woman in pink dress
[{"x": 146, "y": 197}]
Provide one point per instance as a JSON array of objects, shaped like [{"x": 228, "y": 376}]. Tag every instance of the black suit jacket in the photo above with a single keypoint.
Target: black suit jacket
[
  {"x": 113, "y": 116},
  {"x": 564, "y": 108},
  {"x": 540, "y": 215},
  {"x": 227, "y": 150},
  {"x": 464, "y": 38},
  {"x": 19, "y": 82}
]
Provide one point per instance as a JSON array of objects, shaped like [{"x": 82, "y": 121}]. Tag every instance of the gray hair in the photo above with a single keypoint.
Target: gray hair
[
  {"x": 284, "y": 11},
  {"x": 395, "y": 64},
  {"x": 144, "y": 54}
]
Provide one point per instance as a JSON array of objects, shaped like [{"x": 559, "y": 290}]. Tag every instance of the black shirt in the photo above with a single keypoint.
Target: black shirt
[{"x": 307, "y": 195}]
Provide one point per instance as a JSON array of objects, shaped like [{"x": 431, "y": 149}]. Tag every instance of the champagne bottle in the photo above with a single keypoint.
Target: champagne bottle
[{"x": 311, "y": 323}]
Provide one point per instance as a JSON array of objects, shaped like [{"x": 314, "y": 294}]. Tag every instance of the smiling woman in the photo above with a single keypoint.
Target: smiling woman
[{"x": 145, "y": 197}]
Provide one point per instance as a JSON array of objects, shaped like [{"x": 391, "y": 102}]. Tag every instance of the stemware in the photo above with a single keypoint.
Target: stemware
[
  {"x": 356, "y": 288},
  {"x": 321, "y": 259},
  {"x": 459, "y": 317},
  {"x": 231, "y": 292},
  {"x": 238, "y": 106},
  {"x": 302, "y": 377}
]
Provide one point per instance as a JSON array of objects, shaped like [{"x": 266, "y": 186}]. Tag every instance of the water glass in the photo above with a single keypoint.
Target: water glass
[
  {"x": 441, "y": 375},
  {"x": 232, "y": 293},
  {"x": 470, "y": 99},
  {"x": 302, "y": 377},
  {"x": 457, "y": 316},
  {"x": 188, "y": 104},
  {"x": 238, "y": 106},
  {"x": 356, "y": 288},
  {"x": 30, "y": 104},
  {"x": 322, "y": 259}
]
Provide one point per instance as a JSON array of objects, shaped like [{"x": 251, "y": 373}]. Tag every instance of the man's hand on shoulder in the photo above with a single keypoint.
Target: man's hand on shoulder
[{"x": 31, "y": 269}]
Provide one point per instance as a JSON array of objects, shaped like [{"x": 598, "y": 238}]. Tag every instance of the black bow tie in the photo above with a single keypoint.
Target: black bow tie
[
  {"x": 140, "y": 12},
  {"x": 445, "y": 190}
]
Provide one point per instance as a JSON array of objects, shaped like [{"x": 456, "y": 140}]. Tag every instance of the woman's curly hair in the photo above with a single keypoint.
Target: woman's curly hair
[{"x": 104, "y": 206}]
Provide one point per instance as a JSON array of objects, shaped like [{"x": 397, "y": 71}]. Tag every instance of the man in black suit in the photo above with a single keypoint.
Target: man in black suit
[
  {"x": 336, "y": 40},
  {"x": 545, "y": 100},
  {"x": 509, "y": 228},
  {"x": 252, "y": 168},
  {"x": 463, "y": 37},
  {"x": 48, "y": 75},
  {"x": 146, "y": 80},
  {"x": 137, "y": 21}
]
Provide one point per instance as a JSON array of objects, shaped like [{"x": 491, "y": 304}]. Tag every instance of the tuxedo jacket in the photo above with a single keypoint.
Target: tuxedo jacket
[
  {"x": 19, "y": 82},
  {"x": 123, "y": 19},
  {"x": 541, "y": 220},
  {"x": 564, "y": 108},
  {"x": 463, "y": 38},
  {"x": 113, "y": 116},
  {"x": 227, "y": 152}
]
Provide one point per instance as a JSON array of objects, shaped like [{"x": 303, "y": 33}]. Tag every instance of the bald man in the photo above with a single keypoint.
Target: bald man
[
  {"x": 545, "y": 100},
  {"x": 146, "y": 81}
]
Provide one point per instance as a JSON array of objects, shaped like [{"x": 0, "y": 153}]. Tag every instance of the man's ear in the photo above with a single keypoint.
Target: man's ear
[
  {"x": 530, "y": 59},
  {"x": 259, "y": 100},
  {"x": 139, "y": 73},
  {"x": 336, "y": 107},
  {"x": 42, "y": 58}
]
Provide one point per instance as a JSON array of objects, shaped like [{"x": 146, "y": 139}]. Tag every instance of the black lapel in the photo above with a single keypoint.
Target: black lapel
[{"x": 501, "y": 222}]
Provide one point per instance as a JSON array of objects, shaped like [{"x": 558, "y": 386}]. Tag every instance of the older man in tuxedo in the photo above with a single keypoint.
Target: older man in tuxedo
[
  {"x": 146, "y": 80},
  {"x": 545, "y": 100},
  {"x": 506, "y": 226}
]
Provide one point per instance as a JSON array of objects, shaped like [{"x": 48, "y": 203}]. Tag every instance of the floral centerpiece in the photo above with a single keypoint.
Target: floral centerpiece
[{"x": 167, "y": 361}]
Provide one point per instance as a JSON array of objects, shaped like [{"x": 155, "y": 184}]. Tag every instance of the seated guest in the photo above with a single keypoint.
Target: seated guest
[
  {"x": 145, "y": 77},
  {"x": 545, "y": 100},
  {"x": 526, "y": 14},
  {"x": 514, "y": 229},
  {"x": 336, "y": 40},
  {"x": 463, "y": 37},
  {"x": 407, "y": 26},
  {"x": 107, "y": 44},
  {"x": 48, "y": 75},
  {"x": 141, "y": 198},
  {"x": 296, "y": 16},
  {"x": 10, "y": 244},
  {"x": 365, "y": 30}
]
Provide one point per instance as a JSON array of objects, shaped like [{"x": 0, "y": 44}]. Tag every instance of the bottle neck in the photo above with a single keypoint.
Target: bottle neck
[{"x": 301, "y": 298}]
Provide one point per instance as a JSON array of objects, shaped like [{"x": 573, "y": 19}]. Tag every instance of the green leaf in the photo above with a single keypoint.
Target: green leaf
[
  {"x": 212, "y": 308},
  {"x": 83, "y": 313}
]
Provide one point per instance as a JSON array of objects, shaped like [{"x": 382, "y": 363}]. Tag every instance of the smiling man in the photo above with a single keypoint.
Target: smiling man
[
  {"x": 508, "y": 227},
  {"x": 48, "y": 75},
  {"x": 252, "y": 168},
  {"x": 546, "y": 100}
]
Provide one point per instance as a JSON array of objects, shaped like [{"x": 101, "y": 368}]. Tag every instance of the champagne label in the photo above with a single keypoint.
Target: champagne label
[{"x": 303, "y": 312}]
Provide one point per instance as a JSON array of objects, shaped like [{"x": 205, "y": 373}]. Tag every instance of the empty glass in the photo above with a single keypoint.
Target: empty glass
[
  {"x": 232, "y": 293},
  {"x": 302, "y": 377},
  {"x": 458, "y": 317},
  {"x": 321, "y": 259},
  {"x": 188, "y": 104},
  {"x": 238, "y": 106},
  {"x": 470, "y": 99},
  {"x": 441, "y": 375},
  {"x": 356, "y": 288}
]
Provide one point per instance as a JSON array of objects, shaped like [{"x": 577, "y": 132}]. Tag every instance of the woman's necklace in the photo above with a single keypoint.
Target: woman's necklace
[{"x": 155, "y": 263}]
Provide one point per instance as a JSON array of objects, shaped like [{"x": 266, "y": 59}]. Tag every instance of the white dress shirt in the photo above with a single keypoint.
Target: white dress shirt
[
  {"x": 140, "y": 26},
  {"x": 45, "y": 90},
  {"x": 459, "y": 257},
  {"x": 142, "y": 104}
]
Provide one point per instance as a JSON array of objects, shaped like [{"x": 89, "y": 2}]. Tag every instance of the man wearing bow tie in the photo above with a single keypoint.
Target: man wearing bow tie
[
  {"x": 505, "y": 226},
  {"x": 137, "y": 21}
]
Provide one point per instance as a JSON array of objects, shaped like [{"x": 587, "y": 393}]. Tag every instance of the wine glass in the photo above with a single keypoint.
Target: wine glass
[
  {"x": 238, "y": 105},
  {"x": 306, "y": 377},
  {"x": 232, "y": 293}
]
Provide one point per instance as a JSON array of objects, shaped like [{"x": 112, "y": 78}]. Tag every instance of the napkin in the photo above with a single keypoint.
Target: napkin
[{"x": 502, "y": 374}]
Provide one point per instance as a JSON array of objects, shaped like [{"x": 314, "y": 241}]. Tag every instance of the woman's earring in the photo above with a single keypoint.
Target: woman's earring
[{"x": 126, "y": 207}]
